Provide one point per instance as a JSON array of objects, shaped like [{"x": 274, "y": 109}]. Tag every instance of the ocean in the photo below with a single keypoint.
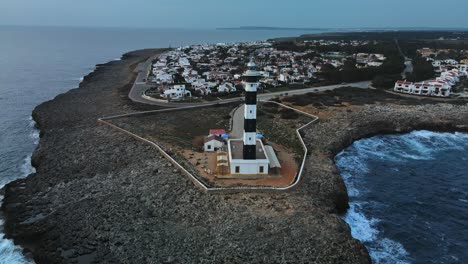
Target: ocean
[
  {"x": 38, "y": 63},
  {"x": 409, "y": 196}
]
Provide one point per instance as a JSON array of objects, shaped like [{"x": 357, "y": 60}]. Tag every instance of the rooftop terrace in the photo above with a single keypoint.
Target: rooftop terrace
[{"x": 237, "y": 148}]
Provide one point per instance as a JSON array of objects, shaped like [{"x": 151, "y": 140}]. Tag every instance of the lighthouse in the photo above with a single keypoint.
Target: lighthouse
[
  {"x": 247, "y": 155},
  {"x": 251, "y": 80}
]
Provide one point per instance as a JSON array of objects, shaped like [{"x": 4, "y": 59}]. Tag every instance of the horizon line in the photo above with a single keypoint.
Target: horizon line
[{"x": 242, "y": 27}]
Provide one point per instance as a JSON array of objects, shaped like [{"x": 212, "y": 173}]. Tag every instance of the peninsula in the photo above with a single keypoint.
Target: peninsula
[{"x": 100, "y": 195}]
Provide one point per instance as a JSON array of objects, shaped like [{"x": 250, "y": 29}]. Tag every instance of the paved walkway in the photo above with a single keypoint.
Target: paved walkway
[{"x": 237, "y": 123}]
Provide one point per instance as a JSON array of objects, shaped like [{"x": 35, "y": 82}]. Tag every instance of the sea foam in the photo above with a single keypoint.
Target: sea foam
[{"x": 9, "y": 252}]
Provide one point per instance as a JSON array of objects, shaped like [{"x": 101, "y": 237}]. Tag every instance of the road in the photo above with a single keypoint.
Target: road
[
  {"x": 408, "y": 61},
  {"x": 140, "y": 86},
  {"x": 237, "y": 123}
]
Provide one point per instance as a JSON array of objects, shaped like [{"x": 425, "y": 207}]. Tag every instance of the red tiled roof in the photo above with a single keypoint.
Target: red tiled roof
[
  {"x": 217, "y": 131},
  {"x": 403, "y": 82}
]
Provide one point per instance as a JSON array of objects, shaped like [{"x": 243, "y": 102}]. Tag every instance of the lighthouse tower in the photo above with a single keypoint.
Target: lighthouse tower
[
  {"x": 248, "y": 156},
  {"x": 251, "y": 80}
]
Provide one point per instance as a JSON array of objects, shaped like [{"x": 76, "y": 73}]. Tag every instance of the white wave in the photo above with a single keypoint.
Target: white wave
[
  {"x": 79, "y": 79},
  {"x": 26, "y": 167},
  {"x": 11, "y": 254},
  {"x": 117, "y": 59},
  {"x": 417, "y": 145},
  {"x": 35, "y": 133},
  {"x": 381, "y": 249},
  {"x": 389, "y": 251},
  {"x": 362, "y": 228}
]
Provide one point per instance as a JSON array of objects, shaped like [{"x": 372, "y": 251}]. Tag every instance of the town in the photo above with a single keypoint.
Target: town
[
  {"x": 211, "y": 72},
  {"x": 204, "y": 71}
]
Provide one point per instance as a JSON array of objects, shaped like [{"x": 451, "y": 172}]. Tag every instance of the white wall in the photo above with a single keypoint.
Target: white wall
[
  {"x": 250, "y": 111},
  {"x": 250, "y": 138},
  {"x": 214, "y": 144},
  {"x": 247, "y": 167}
]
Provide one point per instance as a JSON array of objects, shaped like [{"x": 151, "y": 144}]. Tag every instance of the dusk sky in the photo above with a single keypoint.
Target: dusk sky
[{"x": 216, "y": 13}]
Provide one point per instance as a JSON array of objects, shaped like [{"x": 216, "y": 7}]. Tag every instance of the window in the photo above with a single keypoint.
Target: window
[
  {"x": 237, "y": 169},
  {"x": 250, "y": 138},
  {"x": 250, "y": 111},
  {"x": 261, "y": 169},
  {"x": 209, "y": 147}
]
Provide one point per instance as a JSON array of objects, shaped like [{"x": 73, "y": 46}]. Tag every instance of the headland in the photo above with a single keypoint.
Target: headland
[{"x": 101, "y": 196}]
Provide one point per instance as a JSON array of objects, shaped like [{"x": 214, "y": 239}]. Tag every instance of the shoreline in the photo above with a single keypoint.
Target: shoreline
[{"x": 98, "y": 194}]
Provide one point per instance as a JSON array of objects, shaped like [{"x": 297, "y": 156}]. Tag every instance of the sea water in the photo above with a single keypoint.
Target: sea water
[
  {"x": 409, "y": 196},
  {"x": 38, "y": 63}
]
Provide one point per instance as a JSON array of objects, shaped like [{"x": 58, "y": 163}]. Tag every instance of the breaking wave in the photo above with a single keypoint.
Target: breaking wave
[
  {"x": 375, "y": 170},
  {"x": 9, "y": 252},
  {"x": 34, "y": 135}
]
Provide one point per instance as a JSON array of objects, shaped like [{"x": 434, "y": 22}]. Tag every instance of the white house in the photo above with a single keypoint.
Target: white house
[
  {"x": 213, "y": 143},
  {"x": 284, "y": 77},
  {"x": 374, "y": 63},
  {"x": 429, "y": 88},
  {"x": 226, "y": 88},
  {"x": 176, "y": 92},
  {"x": 203, "y": 90},
  {"x": 164, "y": 78},
  {"x": 451, "y": 62},
  {"x": 436, "y": 63}
]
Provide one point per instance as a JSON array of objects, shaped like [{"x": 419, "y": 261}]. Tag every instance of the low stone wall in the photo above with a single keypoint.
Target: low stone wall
[{"x": 193, "y": 178}]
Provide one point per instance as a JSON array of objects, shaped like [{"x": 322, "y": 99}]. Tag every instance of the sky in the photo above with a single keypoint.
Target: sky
[{"x": 223, "y": 13}]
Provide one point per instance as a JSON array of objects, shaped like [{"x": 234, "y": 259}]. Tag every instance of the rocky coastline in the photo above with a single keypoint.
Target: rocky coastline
[{"x": 101, "y": 196}]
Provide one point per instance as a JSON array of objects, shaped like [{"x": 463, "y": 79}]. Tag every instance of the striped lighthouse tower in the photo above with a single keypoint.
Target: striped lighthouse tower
[{"x": 251, "y": 80}]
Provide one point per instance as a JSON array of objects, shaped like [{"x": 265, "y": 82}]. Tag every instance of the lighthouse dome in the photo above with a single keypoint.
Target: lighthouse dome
[{"x": 251, "y": 64}]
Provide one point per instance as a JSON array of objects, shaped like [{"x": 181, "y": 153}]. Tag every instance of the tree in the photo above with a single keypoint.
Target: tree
[
  {"x": 385, "y": 81},
  {"x": 422, "y": 70}
]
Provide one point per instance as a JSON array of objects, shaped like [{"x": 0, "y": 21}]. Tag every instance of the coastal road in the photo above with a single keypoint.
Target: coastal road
[{"x": 140, "y": 86}]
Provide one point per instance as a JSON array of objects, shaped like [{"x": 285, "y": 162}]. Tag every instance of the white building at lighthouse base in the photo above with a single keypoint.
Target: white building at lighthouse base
[{"x": 239, "y": 166}]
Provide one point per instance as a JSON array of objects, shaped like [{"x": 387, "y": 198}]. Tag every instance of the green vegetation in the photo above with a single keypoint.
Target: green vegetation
[
  {"x": 385, "y": 81},
  {"x": 422, "y": 70},
  {"x": 394, "y": 64}
]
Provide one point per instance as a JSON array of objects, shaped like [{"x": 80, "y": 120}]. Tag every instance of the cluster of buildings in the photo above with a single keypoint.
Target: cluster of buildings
[
  {"x": 441, "y": 86},
  {"x": 216, "y": 69},
  {"x": 342, "y": 43},
  {"x": 450, "y": 72},
  {"x": 434, "y": 53}
]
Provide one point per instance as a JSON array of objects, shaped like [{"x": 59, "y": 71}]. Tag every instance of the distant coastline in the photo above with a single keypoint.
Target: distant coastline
[
  {"x": 270, "y": 28},
  {"x": 364, "y": 29}
]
